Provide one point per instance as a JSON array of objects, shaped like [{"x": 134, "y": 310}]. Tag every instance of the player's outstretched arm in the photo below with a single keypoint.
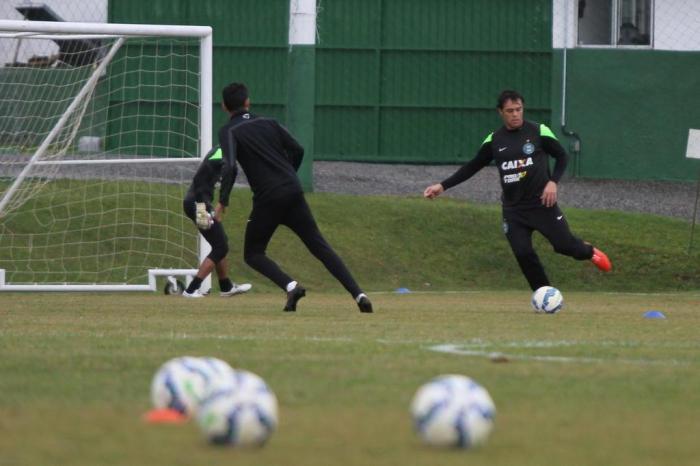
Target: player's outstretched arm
[
  {"x": 466, "y": 171},
  {"x": 433, "y": 191}
]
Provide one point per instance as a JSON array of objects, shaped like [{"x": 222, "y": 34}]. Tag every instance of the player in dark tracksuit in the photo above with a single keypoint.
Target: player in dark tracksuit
[
  {"x": 521, "y": 150},
  {"x": 197, "y": 205},
  {"x": 270, "y": 158}
]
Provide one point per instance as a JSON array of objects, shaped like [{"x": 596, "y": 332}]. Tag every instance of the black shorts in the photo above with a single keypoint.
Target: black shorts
[
  {"x": 215, "y": 236},
  {"x": 519, "y": 223}
]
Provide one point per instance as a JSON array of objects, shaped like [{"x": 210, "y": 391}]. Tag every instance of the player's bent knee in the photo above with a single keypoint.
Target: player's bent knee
[
  {"x": 579, "y": 253},
  {"x": 218, "y": 253},
  {"x": 251, "y": 257}
]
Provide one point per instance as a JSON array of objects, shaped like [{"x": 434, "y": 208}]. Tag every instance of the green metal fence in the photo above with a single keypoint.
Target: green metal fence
[
  {"x": 396, "y": 80},
  {"x": 416, "y": 81}
]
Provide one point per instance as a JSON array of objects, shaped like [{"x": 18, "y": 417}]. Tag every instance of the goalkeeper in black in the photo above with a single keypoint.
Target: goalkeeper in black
[
  {"x": 198, "y": 207},
  {"x": 521, "y": 151},
  {"x": 270, "y": 158}
]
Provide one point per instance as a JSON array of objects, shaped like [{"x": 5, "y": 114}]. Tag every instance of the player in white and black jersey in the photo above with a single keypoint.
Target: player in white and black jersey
[
  {"x": 521, "y": 150},
  {"x": 270, "y": 158}
]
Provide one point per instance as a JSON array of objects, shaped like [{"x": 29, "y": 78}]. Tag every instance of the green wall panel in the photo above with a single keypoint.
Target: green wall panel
[
  {"x": 250, "y": 44},
  {"x": 428, "y": 72},
  {"x": 412, "y": 135},
  {"x": 350, "y": 23},
  {"x": 153, "y": 128},
  {"x": 632, "y": 110},
  {"x": 473, "y": 25},
  {"x": 259, "y": 22},
  {"x": 458, "y": 79},
  {"x": 347, "y": 78},
  {"x": 347, "y": 132},
  {"x": 262, "y": 69},
  {"x": 386, "y": 70}
]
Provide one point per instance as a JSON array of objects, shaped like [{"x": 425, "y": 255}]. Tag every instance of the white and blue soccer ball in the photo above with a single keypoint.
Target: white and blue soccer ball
[
  {"x": 242, "y": 412},
  {"x": 181, "y": 383},
  {"x": 547, "y": 299},
  {"x": 453, "y": 411}
]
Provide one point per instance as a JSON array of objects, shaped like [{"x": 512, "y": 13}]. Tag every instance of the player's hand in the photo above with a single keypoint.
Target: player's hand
[
  {"x": 204, "y": 219},
  {"x": 549, "y": 195},
  {"x": 219, "y": 212},
  {"x": 433, "y": 191}
]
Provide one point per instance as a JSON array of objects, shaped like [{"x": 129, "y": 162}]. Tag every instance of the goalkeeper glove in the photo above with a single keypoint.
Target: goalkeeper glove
[{"x": 204, "y": 218}]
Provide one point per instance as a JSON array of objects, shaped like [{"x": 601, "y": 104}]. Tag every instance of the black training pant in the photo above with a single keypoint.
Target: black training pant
[
  {"x": 293, "y": 212},
  {"x": 215, "y": 236},
  {"x": 518, "y": 225}
]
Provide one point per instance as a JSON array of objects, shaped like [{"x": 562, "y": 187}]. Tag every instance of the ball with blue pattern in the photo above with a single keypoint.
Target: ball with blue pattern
[
  {"x": 182, "y": 382},
  {"x": 453, "y": 411},
  {"x": 547, "y": 299},
  {"x": 242, "y": 412}
]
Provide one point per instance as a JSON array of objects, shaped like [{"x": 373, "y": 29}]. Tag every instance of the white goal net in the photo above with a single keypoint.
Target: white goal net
[{"x": 101, "y": 128}]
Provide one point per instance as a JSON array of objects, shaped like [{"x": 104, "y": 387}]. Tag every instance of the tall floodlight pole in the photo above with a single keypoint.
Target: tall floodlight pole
[{"x": 301, "y": 96}]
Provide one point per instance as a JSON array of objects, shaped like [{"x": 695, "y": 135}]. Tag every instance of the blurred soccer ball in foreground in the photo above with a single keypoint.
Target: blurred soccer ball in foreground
[
  {"x": 181, "y": 383},
  {"x": 242, "y": 412},
  {"x": 453, "y": 411},
  {"x": 547, "y": 299}
]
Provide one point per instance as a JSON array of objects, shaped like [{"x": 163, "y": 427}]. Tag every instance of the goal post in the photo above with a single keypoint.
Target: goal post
[{"x": 101, "y": 129}]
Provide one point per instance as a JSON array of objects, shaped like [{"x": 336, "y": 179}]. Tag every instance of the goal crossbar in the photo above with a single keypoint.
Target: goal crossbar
[
  {"x": 102, "y": 29},
  {"x": 115, "y": 161},
  {"x": 136, "y": 30}
]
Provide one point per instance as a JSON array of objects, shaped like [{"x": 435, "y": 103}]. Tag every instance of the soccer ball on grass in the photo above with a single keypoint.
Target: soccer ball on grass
[
  {"x": 453, "y": 411},
  {"x": 181, "y": 383},
  {"x": 547, "y": 299},
  {"x": 241, "y": 412}
]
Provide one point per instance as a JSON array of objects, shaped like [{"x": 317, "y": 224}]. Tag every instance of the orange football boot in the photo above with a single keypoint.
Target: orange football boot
[{"x": 601, "y": 260}]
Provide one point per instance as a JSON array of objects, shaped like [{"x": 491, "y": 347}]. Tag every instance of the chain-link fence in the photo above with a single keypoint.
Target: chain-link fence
[
  {"x": 416, "y": 81},
  {"x": 87, "y": 11}
]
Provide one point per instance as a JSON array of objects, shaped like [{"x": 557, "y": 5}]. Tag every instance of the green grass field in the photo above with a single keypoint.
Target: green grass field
[
  {"x": 387, "y": 242},
  {"x": 596, "y": 384}
]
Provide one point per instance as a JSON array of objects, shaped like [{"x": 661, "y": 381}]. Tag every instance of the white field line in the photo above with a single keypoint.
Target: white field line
[
  {"x": 526, "y": 344},
  {"x": 691, "y": 294},
  {"x": 472, "y": 344},
  {"x": 429, "y": 292},
  {"x": 180, "y": 336},
  {"x": 474, "y": 347},
  {"x": 465, "y": 350}
]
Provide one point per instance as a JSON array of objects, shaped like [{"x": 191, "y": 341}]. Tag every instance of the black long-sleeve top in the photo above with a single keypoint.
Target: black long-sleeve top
[
  {"x": 521, "y": 156},
  {"x": 267, "y": 153},
  {"x": 213, "y": 169}
]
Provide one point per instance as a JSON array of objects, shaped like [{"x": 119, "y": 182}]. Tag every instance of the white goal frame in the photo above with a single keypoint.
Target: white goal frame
[{"x": 47, "y": 30}]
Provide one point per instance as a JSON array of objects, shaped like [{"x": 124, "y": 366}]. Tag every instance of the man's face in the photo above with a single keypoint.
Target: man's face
[{"x": 512, "y": 113}]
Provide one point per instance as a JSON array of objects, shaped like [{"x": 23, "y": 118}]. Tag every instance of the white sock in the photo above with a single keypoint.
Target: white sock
[
  {"x": 360, "y": 296},
  {"x": 291, "y": 285}
]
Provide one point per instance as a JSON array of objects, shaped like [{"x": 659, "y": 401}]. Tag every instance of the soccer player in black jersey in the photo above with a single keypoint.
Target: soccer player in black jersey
[
  {"x": 270, "y": 158},
  {"x": 521, "y": 151},
  {"x": 198, "y": 207}
]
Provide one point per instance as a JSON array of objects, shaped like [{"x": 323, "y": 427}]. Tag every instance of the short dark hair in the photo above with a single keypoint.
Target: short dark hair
[
  {"x": 509, "y": 94},
  {"x": 235, "y": 95}
]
